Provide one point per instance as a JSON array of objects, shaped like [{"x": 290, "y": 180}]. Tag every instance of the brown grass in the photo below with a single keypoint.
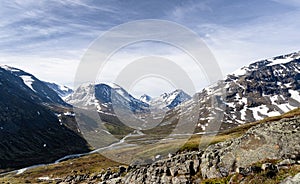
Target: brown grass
[{"x": 94, "y": 163}]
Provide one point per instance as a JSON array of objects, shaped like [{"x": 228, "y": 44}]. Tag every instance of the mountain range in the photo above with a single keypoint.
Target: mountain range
[
  {"x": 106, "y": 95},
  {"x": 36, "y": 123}
]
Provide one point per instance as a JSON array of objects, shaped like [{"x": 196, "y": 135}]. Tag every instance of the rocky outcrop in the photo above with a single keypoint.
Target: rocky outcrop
[
  {"x": 268, "y": 141},
  {"x": 292, "y": 180},
  {"x": 178, "y": 169}
]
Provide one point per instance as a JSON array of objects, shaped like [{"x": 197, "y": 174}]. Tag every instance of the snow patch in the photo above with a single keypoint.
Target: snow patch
[
  {"x": 20, "y": 171},
  {"x": 240, "y": 72},
  {"x": 281, "y": 61},
  {"x": 69, "y": 114},
  {"x": 5, "y": 67},
  {"x": 45, "y": 178},
  {"x": 295, "y": 95},
  {"x": 28, "y": 81}
]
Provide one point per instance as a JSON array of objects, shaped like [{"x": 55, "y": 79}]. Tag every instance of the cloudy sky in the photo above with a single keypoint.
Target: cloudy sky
[{"x": 49, "y": 38}]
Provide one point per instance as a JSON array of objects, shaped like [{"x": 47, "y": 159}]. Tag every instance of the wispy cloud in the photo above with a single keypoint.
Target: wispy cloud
[{"x": 53, "y": 35}]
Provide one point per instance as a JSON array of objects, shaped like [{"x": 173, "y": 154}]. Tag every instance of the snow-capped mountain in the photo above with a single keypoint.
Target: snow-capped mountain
[
  {"x": 35, "y": 126},
  {"x": 106, "y": 97},
  {"x": 167, "y": 100},
  {"x": 36, "y": 88},
  {"x": 145, "y": 98},
  {"x": 265, "y": 88},
  {"x": 62, "y": 91}
]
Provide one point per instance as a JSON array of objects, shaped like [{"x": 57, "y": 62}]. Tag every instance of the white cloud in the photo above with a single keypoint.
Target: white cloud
[
  {"x": 265, "y": 37},
  {"x": 61, "y": 71}
]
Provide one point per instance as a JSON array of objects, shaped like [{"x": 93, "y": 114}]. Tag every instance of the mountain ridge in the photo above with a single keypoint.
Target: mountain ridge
[{"x": 34, "y": 124}]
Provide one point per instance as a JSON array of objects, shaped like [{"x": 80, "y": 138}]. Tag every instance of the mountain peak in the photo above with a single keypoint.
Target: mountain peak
[
  {"x": 278, "y": 60},
  {"x": 145, "y": 98}
]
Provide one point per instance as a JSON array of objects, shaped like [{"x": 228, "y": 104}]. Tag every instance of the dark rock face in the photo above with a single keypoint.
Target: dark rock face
[
  {"x": 13, "y": 78},
  {"x": 30, "y": 130}
]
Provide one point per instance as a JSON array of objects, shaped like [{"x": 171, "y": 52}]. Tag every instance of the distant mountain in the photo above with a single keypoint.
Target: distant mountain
[
  {"x": 265, "y": 88},
  {"x": 145, "y": 98},
  {"x": 169, "y": 100},
  {"x": 62, "y": 91},
  {"x": 36, "y": 125},
  {"x": 105, "y": 97}
]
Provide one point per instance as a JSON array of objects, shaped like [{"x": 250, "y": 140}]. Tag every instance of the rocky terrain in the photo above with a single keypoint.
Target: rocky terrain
[
  {"x": 276, "y": 141},
  {"x": 264, "y": 88}
]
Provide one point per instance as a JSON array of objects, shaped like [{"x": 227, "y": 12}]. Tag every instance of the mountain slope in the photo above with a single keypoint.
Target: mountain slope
[
  {"x": 33, "y": 86},
  {"x": 62, "y": 91},
  {"x": 169, "y": 100},
  {"x": 265, "y": 88},
  {"x": 33, "y": 126}
]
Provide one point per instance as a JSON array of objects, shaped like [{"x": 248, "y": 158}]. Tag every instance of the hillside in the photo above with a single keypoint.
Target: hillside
[{"x": 34, "y": 124}]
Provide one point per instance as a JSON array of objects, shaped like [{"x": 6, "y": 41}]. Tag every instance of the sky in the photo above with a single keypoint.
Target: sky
[{"x": 49, "y": 38}]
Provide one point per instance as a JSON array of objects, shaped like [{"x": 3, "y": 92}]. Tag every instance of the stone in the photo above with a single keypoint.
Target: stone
[
  {"x": 286, "y": 162},
  {"x": 292, "y": 180},
  {"x": 122, "y": 169}
]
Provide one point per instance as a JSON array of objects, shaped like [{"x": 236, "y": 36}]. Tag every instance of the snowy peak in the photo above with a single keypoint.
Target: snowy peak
[
  {"x": 279, "y": 60},
  {"x": 175, "y": 98},
  {"x": 145, "y": 98},
  {"x": 170, "y": 100},
  {"x": 105, "y": 96}
]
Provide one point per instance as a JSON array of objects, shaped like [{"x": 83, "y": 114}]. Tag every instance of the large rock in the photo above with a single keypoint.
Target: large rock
[
  {"x": 275, "y": 140},
  {"x": 292, "y": 180},
  {"x": 177, "y": 169}
]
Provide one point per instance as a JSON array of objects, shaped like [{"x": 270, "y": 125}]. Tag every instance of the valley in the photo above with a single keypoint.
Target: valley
[{"x": 101, "y": 133}]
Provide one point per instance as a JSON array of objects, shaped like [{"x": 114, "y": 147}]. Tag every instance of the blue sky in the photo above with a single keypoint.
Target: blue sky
[{"x": 48, "y": 38}]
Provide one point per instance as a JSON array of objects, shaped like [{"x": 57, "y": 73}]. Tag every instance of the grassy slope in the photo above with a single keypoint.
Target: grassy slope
[{"x": 94, "y": 163}]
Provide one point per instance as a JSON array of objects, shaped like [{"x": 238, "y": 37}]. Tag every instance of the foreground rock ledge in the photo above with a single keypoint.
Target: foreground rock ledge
[
  {"x": 275, "y": 141},
  {"x": 278, "y": 141}
]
